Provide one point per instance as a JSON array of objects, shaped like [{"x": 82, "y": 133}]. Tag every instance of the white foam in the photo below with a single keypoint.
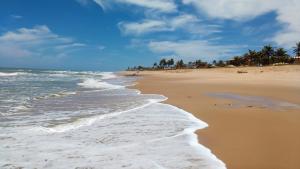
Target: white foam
[
  {"x": 108, "y": 75},
  {"x": 141, "y": 133},
  {"x": 59, "y": 75},
  {"x": 154, "y": 136},
  {"x": 97, "y": 84},
  {"x": 54, "y": 95},
  {"x": 12, "y": 74},
  {"x": 89, "y": 121}
]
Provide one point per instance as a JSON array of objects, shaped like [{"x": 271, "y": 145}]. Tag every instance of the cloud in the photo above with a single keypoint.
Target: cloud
[
  {"x": 37, "y": 34},
  {"x": 16, "y": 16},
  {"x": 232, "y": 9},
  {"x": 36, "y": 41},
  {"x": 104, "y": 4},
  {"x": 165, "y": 6},
  {"x": 71, "y": 45},
  {"x": 8, "y": 50},
  {"x": 146, "y": 26},
  {"x": 187, "y": 22},
  {"x": 160, "y": 5},
  {"x": 287, "y": 14},
  {"x": 191, "y": 49}
]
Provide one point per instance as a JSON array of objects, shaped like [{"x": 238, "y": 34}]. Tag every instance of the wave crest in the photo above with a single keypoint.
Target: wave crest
[
  {"x": 96, "y": 84},
  {"x": 12, "y": 73}
]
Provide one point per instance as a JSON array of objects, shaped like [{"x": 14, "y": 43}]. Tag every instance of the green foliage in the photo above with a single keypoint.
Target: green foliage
[
  {"x": 266, "y": 53},
  {"x": 162, "y": 63},
  {"x": 297, "y": 49},
  {"x": 200, "y": 64},
  {"x": 266, "y": 56},
  {"x": 180, "y": 64},
  {"x": 170, "y": 62}
]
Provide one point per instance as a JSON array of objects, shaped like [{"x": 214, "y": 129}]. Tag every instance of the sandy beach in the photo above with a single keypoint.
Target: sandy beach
[{"x": 253, "y": 117}]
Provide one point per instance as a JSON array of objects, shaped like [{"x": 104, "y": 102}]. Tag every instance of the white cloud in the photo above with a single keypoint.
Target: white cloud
[
  {"x": 157, "y": 5},
  {"x": 287, "y": 13},
  {"x": 24, "y": 34},
  {"x": 37, "y": 34},
  {"x": 187, "y": 22},
  {"x": 71, "y": 45},
  {"x": 104, "y": 4},
  {"x": 191, "y": 49},
  {"x": 143, "y": 27},
  {"x": 232, "y": 9},
  {"x": 160, "y": 5},
  {"x": 182, "y": 20},
  {"x": 33, "y": 41}
]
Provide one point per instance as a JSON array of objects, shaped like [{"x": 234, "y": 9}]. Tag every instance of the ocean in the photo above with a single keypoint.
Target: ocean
[{"x": 91, "y": 120}]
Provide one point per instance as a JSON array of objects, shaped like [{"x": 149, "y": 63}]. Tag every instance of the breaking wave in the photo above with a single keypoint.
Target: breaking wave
[{"x": 97, "y": 84}]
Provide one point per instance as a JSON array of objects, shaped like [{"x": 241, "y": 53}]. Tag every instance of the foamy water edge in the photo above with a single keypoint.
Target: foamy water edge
[
  {"x": 91, "y": 83},
  {"x": 194, "y": 141}
]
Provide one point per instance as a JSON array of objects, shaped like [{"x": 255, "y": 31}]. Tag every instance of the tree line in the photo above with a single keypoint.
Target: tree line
[{"x": 268, "y": 55}]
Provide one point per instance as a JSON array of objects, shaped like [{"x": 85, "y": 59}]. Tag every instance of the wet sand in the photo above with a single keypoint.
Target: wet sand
[{"x": 253, "y": 124}]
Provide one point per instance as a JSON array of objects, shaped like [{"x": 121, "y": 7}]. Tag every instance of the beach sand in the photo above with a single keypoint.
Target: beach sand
[{"x": 245, "y": 132}]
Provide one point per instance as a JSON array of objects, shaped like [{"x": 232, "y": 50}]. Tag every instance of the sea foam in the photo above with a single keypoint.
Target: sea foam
[
  {"x": 92, "y": 83},
  {"x": 153, "y": 136},
  {"x": 12, "y": 73},
  {"x": 108, "y": 75},
  {"x": 91, "y": 120}
]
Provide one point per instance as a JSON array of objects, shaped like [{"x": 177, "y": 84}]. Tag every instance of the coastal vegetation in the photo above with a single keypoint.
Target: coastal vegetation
[{"x": 268, "y": 55}]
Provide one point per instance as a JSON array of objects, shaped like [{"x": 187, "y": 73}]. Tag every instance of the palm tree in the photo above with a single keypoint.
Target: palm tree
[
  {"x": 281, "y": 55},
  {"x": 236, "y": 61},
  {"x": 170, "y": 62},
  {"x": 254, "y": 57},
  {"x": 267, "y": 52},
  {"x": 199, "y": 64},
  {"x": 180, "y": 64},
  {"x": 162, "y": 63},
  {"x": 297, "y": 49}
]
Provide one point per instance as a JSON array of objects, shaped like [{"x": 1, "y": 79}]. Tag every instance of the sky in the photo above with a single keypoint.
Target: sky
[{"x": 110, "y": 35}]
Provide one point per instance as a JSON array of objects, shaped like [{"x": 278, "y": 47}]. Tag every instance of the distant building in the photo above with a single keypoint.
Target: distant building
[{"x": 297, "y": 59}]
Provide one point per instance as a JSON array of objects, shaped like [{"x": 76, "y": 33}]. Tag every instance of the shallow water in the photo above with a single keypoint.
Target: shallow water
[
  {"x": 257, "y": 101},
  {"x": 64, "y": 119}
]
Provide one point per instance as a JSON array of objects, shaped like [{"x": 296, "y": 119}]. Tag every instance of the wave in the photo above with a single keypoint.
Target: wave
[
  {"x": 104, "y": 75},
  {"x": 54, "y": 95},
  {"x": 107, "y": 75},
  {"x": 12, "y": 74},
  {"x": 193, "y": 138},
  {"x": 188, "y": 134},
  {"x": 91, "y": 120},
  {"x": 58, "y": 75},
  {"x": 16, "y": 110},
  {"x": 96, "y": 84}
]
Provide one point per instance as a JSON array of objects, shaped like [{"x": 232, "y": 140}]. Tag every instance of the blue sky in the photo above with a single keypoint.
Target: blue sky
[{"x": 113, "y": 34}]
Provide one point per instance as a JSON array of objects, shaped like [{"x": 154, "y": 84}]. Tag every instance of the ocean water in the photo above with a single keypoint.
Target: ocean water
[{"x": 90, "y": 120}]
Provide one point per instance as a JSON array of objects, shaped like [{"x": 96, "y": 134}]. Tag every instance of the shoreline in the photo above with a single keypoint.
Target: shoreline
[{"x": 247, "y": 136}]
